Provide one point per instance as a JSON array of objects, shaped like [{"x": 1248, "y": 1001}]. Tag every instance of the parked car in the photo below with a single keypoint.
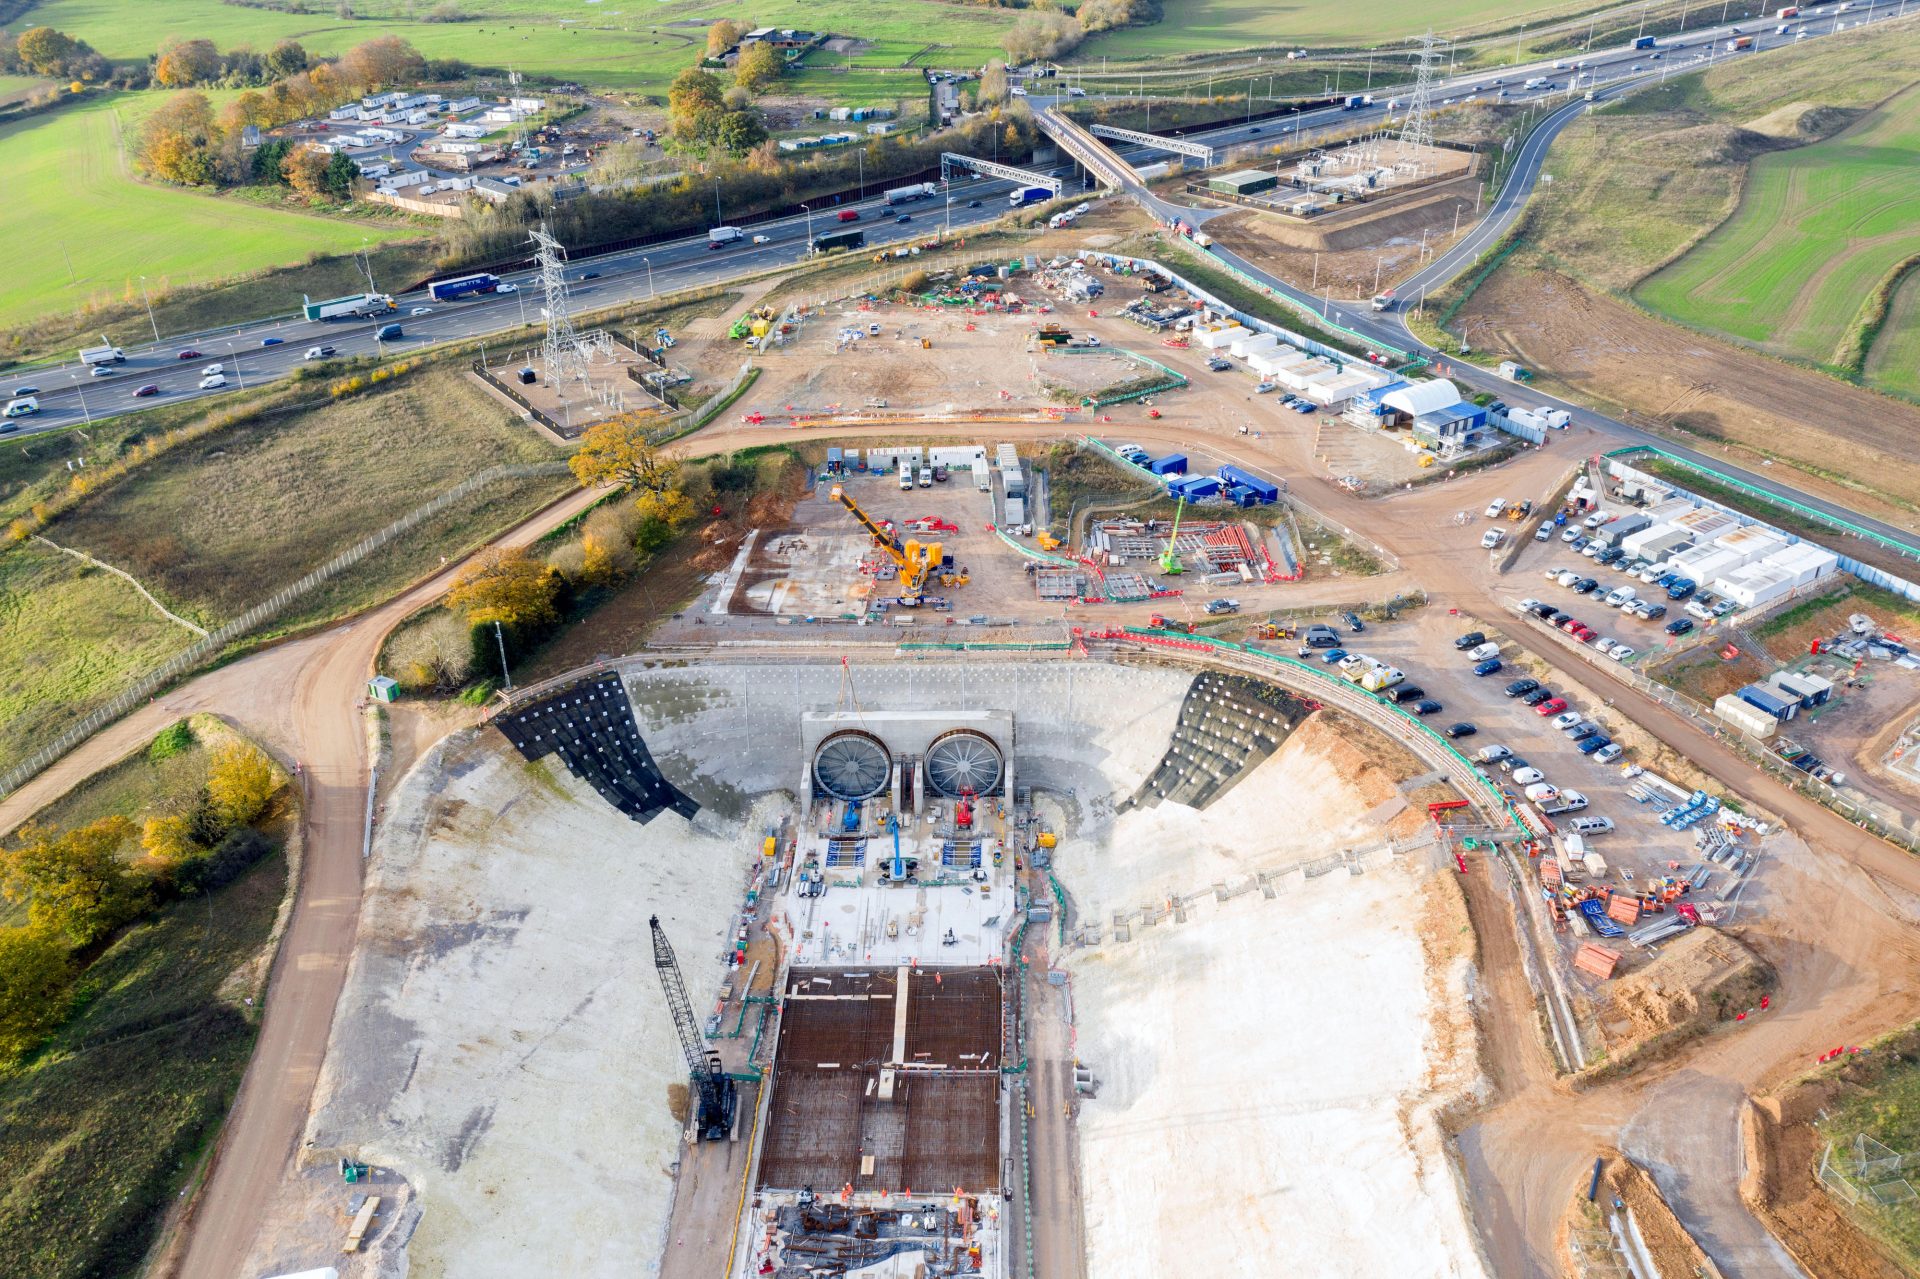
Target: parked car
[
  {"x": 1472, "y": 639},
  {"x": 1492, "y": 754},
  {"x": 1582, "y": 731},
  {"x": 1496, "y": 508},
  {"x": 1320, "y": 635},
  {"x": 1492, "y": 538},
  {"x": 1557, "y": 618},
  {"x": 1462, "y": 729},
  {"x": 1223, "y": 606},
  {"x": 1538, "y": 697},
  {"x": 1623, "y": 652},
  {"x": 1591, "y": 825},
  {"x": 1680, "y": 589},
  {"x": 1585, "y": 585},
  {"x": 1219, "y": 365},
  {"x": 1544, "y": 533},
  {"x": 1567, "y": 720},
  {"x": 1487, "y": 667},
  {"x": 1333, "y": 655},
  {"x": 1593, "y": 744},
  {"x": 1521, "y": 687},
  {"x": 1679, "y": 626},
  {"x": 1353, "y": 621},
  {"x": 1571, "y": 625},
  {"x": 1570, "y": 532},
  {"x": 1427, "y": 706},
  {"x": 1603, "y": 646},
  {"x": 1543, "y": 611},
  {"x": 1608, "y": 753},
  {"x": 1400, "y": 694},
  {"x": 1552, "y": 706}
]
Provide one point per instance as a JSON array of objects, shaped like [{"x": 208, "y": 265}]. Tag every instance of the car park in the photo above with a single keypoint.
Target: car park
[
  {"x": 1521, "y": 687},
  {"x": 1427, "y": 706},
  {"x": 1552, "y": 706},
  {"x": 1538, "y": 697},
  {"x": 1488, "y": 667},
  {"x": 1462, "y": 729},
  {"x": 1472, "y": 639},
  {"x": 1679, "y": 626}
]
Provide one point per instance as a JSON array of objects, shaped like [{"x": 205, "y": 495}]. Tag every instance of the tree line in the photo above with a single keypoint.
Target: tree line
[
  {"x": 187, "y": 142},
  {"x": 81, "y": 885}
]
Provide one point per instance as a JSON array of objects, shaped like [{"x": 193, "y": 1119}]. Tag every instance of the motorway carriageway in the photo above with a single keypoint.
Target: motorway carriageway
[{"x": 69, "y": 395}]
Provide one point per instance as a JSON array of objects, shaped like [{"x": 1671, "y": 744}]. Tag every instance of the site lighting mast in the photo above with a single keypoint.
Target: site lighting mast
[{"x": 715, "y": 1096}]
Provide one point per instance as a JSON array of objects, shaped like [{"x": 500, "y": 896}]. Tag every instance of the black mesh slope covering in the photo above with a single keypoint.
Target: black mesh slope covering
[{"x": 590, "y": 726}]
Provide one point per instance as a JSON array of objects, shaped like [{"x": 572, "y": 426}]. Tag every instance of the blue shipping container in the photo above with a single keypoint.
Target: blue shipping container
[
  {"x": 1262, "y": 489},
  {"x": 1769, "y": 701},
  {"x": 1171, "y": 464},
  {"x": 1242, "y": 496}
]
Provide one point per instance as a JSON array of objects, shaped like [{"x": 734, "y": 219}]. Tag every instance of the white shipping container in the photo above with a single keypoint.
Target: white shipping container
[
  {"x": 1746, "y": 717},
  {"x": 1251, "y": 344}
]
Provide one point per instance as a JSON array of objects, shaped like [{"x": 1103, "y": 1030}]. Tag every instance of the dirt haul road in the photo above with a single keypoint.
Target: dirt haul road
[
  {"x": 300, "y": 698},
  {"x": 1842, "y": 939}
]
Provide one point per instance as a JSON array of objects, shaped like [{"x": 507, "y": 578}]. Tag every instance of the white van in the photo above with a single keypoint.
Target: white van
[
  {"x": 1483, "y": 652},
  {"x": 25, "y": 406},
  {"x": 926, "y": 477},
  {"x": 1592, "y": 825},
  {"x": 1618, "y": 596},
  {"x": 906, "y": 475}
]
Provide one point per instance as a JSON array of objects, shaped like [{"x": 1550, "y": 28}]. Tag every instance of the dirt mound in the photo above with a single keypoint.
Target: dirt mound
[
  {"x": 1782, "y": 1152},
  {"x": 1802, "y": 122},
  {"x": 1372, "y": 763},
  {"x": 1700, "y": 978},
  {"x": 1673, "y": 1250}
]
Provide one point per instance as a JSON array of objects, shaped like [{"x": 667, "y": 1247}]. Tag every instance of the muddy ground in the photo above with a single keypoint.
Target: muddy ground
[{"x": 1663, "y": 377}]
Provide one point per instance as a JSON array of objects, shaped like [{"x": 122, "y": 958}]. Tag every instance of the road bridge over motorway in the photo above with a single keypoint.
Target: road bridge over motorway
[{"x": 1095, "y": 156}]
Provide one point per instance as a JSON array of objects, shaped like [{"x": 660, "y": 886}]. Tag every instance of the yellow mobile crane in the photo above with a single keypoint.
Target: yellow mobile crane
[{"x": 914, "y": 559}]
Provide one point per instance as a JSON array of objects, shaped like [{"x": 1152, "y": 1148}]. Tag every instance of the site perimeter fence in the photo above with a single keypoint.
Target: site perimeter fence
[
  {"x": 202, "y": 651},
  {"x": 1617, "y": 464}
]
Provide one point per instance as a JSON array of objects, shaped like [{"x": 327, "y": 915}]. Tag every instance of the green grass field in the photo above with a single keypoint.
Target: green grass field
[
  {"x": 1894, "y": 362},
  {"x": 1817, "y": 229},
  {"x": 214, "y": 526},
  {"x": 618, "y": 44},
  {"x": 1206, "y": 26},
  {"x": 75, "y": 636},
  {"x": 78, "y": 227}
]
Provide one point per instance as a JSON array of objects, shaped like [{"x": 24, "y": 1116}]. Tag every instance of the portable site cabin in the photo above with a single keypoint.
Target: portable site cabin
[
  {"x": 1252, "y": 344},
  {"x": 1264, "y": 490},
  {"x": 1221, "y": 339},
  {"x": 1770, "y": 700},
  {"x": 1171, "y": 464}
]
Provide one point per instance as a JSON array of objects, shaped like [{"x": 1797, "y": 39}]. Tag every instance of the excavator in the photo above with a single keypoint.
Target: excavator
[{"x": 914, "y": 559}]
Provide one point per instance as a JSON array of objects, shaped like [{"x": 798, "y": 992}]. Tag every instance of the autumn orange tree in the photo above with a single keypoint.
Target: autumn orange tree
[
  {"x": 186, "y": 62},
  {"x": 35, "y": 971},
  {"x": 506, "y": 585},
  {"x": 73, "y": 882},
  {"x": 241, "y": 782}
]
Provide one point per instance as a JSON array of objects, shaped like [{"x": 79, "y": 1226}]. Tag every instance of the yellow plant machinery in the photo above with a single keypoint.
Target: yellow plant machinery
[{"x": 914, "y": 559}]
